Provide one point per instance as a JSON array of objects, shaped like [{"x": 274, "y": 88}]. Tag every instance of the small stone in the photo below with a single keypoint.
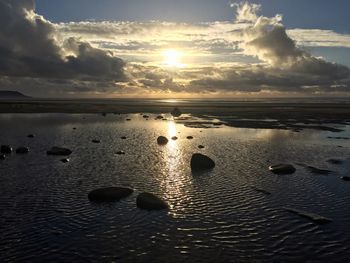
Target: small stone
[
  {"x": 123, "y": 137},
  {"x": 59, "y": 151},
  {"x": 174, "y": 138},
  {"x": 145, "y": 116},
  {"x": 120, "y": 152},
  {"x": 160, "y": 117},
  {"x": 128, "y": 119},
  {"x": 201, "y": 147},
  {"x": 161, "y": 140},
  {"x": 200, "y": 162},
  {"x": 2, "y": 157},
  {"x": 65, "y": 160},
  {"x": 22, "y": 150},
  {"x": 30, "y": 135},
  {"x": 176, "y": 112},
  {"x": 96, "y": 141},
  {"x": 150, "y": 201},
  {"x": 189, "y": 137},
  {"x": 6, "y": 149},
  {"x": 282, "y": 169},
  {"x": 345, "y": 178},
  {"x": 109, "y": 194}
]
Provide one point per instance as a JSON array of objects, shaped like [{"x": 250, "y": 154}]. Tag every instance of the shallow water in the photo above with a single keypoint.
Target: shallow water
[{"x": 217, "y": 216}]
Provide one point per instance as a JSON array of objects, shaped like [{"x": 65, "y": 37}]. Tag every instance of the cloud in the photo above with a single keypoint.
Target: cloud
[{"x": 30, "y": 47}]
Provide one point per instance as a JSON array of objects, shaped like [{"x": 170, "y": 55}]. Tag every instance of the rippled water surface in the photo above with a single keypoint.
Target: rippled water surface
[{"x": 218, "y": 216}]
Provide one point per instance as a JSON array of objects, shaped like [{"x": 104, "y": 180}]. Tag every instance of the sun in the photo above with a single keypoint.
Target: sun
[{"x": 172, "y": 58}]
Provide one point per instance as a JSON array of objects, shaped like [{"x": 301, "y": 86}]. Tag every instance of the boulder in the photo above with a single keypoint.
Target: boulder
[
  {"x": 150, "y": 201},
  {"x": 161, "y": 140},
  {"x": 200, "y": 162},
  {"x": 176, "y": 112},
  {"x": 59, "y": 151},
  {"x": 282, "y": 169},
  {"x": 22, "y": 150},
  {"x": 109, "y": 194},
  {"x": 7, "y": 149}
]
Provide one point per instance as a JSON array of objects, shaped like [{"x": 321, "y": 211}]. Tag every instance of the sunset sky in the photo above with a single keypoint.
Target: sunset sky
[{"x": 173, "y": 49}]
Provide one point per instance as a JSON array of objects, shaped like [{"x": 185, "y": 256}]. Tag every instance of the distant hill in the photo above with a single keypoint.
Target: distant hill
[{"x": 8, "y": 94}]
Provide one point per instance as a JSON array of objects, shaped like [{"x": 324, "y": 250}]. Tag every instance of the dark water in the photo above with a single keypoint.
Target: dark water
[{"x": 45, "y": 215}]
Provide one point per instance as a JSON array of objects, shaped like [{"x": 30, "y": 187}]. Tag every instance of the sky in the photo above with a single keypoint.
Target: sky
[{"x": 175, "y": 49}]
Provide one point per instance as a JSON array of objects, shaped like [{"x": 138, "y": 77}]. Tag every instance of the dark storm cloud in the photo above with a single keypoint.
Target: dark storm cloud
[{"x": 30, "y": 47}]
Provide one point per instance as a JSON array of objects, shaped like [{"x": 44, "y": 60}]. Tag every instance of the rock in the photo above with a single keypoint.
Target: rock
[
  {"x": 282, "y": 169},
  {"x": 311, "y": 216},
  {"x": 261, "y": 190},
  {"x": 145, "y": 116},
  {"x": 74, "y": 128},
  {"x": 201, "y": 147},
  {"x": 345, "y": 178},
  {"x": 59, "y": 151},
  {"x": 189, "y": 137},
  {"x": 96, "y": 141},
  {"x": 7, "y": 149},
  {"x": 30, "y": 135},
  {"x": 200, "y": 162},
  {"x": 2, "y": 157},
  {"x": 128, "y": 119},
  {"x": 174, "y": 138},
  {"x": 150, "y": 201},
  {"x": 159, "y": 117},
  {"x": 161, "y": 140},
  {"x": 335, "y": 161},
  {"x": 120, "y": 152},
  {"x": 123, "y": 137},
  {"x": 65, "y": 160},
  {"x": 22, "y": 150},
  {"x": 176, "y": 112},
  {"x": 104, "y": 114},
  {"x": 109, "y": 194}
]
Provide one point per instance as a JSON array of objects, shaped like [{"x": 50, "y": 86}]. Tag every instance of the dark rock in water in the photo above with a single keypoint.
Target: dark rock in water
[
  {"x": 128, "y": 119},
  {"x": 261, "y": 190},
  {"x": 120, "y": 152},
  {"x": 335, "y": 161},
  {"x": 200, "y": 162},
  {"x": 145, "y": 116},
  {"x": 65, "y": 160},
  {"x": 174, "y": 138},
  {"x": 345, "y": 178},
  {"x": 150, "y": 201},
  {"x": 96, "y": 141},
  {"x": 282, "y": 169},
  {"x": 201, "y": 147},
  {"x": 109, "y": 194},
  {"x": 2, "y": 157},
  {"x": 104, "y": 114},
  {"x": 7, "y": 149},
  {"x": 311, "y": 216},
  {"x": 189, "y": 137},
  {"x": 161, "y": 140},
  {"x": 74, "y": 128},
  {"x": 176, "y": 112},
  {"x": 22, "y": 150},
  {"x": 59, "y": 151},
  {"x": 160, "y": 117},
  {"x": 30, "y": 135},
  {"x": 123, "y": 137}
]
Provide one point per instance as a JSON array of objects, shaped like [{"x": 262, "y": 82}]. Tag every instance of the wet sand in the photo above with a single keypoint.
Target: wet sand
[{"x": 295, "y": 116}]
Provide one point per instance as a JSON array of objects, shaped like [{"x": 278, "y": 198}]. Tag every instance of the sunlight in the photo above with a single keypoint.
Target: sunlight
[{"x": 172, "y": 58}]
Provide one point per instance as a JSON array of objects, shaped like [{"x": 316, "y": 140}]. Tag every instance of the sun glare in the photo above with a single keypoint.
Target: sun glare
[{"x": 172, "y": 58}]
